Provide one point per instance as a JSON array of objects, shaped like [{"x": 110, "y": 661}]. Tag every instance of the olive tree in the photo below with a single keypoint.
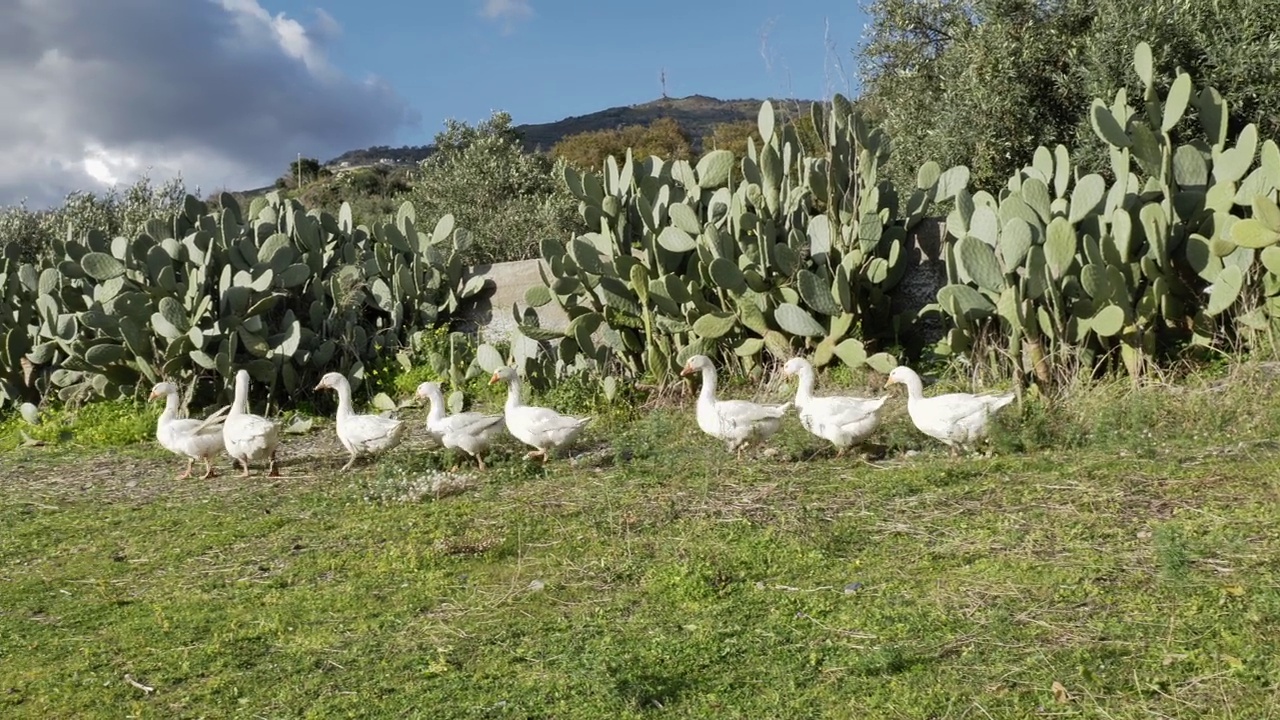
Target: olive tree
[
  {"x": 983, "y": 82},
  {"x": 508, "y": 199},
  {"x": 115, "y": 212}
]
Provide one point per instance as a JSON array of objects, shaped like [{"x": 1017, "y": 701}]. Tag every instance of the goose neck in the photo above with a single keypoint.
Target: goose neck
[
  {"x": 513, "y": 393},
  {"x": 170, "y": 407},
  {"x": 708, "y": 393},
  {"x": 436, "y": 399},
  {"x": 240, "y": 405},
  {"x": 804, "y": 388},
  {"x": 915, "y": 387},
  {"x": 345, "y": 409}
]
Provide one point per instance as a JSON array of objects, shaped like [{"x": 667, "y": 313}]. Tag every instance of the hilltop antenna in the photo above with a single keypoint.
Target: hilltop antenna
[{"x": 663, "y": 76}]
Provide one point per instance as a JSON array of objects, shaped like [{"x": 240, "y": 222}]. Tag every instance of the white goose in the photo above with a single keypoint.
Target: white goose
[
  {"x": 841, "y": 420},
  {"x": 361, "y": 434},
  {"x": 541, "y": 428},
  {"x": 470, "y": 432},
  {"x": 247, "y": 437},
  {"x": 738, "y": 422},
  {"x": 196, "y": 439},
  {"x": 957, "y": 419}
]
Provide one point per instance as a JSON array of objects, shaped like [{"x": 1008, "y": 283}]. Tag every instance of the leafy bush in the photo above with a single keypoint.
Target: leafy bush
[
  {"x": 986, "y": 83},
  {"x": 507, "y": 198},
  {"x": 663, "y": 137},
  {"x": 113, "y": 213},
  {"x": 374, "y": 193}
]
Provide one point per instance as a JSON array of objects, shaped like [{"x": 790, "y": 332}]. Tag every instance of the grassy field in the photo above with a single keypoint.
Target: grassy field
[{"x": 1117, "y": 556}]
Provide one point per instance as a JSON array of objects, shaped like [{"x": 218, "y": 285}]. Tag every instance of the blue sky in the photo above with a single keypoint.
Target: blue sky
[
  {"x": 542, "y": 60},
  {"x": 225, "y": 93}
]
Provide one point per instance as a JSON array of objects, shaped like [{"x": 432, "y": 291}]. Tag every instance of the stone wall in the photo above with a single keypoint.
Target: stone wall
[
  {"x": 926, "y": 274},
  {"x": 491, "y": 316}
]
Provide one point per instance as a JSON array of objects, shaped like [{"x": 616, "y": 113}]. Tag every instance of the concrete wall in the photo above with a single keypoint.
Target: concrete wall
[{"x": 492, "y": 318}]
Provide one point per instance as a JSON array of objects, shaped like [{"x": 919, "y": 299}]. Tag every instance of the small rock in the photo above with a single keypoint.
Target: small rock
[
  {"x": 852, "y": 588},
  {"x": 30, "y": 413}
]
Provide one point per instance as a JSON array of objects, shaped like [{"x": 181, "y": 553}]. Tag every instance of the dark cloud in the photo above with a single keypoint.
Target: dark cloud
[{"x": 222, "y": 91}]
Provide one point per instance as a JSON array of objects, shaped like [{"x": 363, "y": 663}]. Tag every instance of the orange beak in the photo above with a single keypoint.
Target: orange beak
[
  {"x": 494, "y": 378},
  {"x": 688, "y": 370}
]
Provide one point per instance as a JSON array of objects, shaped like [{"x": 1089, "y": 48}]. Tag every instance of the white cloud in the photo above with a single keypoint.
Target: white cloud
[
  {"x": 222, "y": 92},
  {"x": 326, "y": 28},
  {"x": 508, "y": 12},
  {"x": 107, "y": 167}
]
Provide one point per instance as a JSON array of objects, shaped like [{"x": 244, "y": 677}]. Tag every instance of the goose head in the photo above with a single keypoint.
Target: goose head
[
  {"x": 795, "y": 366},
  {"x": 503, "y": 374},
  {"x": 426, "y": 389},
  {"x": 902, "y": 375},
  {"x": 162, "y": 389},
  {"x": 695, "y": 364},
  {"x": 331, "y": 381}
]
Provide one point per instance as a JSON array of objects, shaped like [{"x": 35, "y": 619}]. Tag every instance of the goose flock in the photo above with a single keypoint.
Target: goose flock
[
  {"x": 957, "y": 419},
  {"x": 249, "y": 438}
]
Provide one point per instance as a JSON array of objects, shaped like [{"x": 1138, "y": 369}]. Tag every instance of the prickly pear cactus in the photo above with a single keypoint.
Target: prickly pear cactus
[
  {"x": 800, "y": 255},
  {"x": 285, "y": 293},
  {"x": 19, "y": 284},
  {"x": 1073, "y": 269}
]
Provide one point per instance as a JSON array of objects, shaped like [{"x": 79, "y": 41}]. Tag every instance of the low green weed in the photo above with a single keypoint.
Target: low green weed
[{"x": 104, "y": 424}]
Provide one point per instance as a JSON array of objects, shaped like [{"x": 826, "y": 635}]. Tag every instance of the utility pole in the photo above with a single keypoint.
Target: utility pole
[{"x": 663, "y": 76}]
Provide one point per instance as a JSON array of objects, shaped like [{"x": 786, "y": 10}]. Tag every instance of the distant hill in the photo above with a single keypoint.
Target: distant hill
[
  {"x": 382, "y": 155},
  {"x": 384, "y": 171},
  {"x": 697, "y": 115}
]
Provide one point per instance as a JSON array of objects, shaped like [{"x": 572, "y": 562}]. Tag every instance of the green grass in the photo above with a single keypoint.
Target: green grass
[{"x": 1124, "y": 544}]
